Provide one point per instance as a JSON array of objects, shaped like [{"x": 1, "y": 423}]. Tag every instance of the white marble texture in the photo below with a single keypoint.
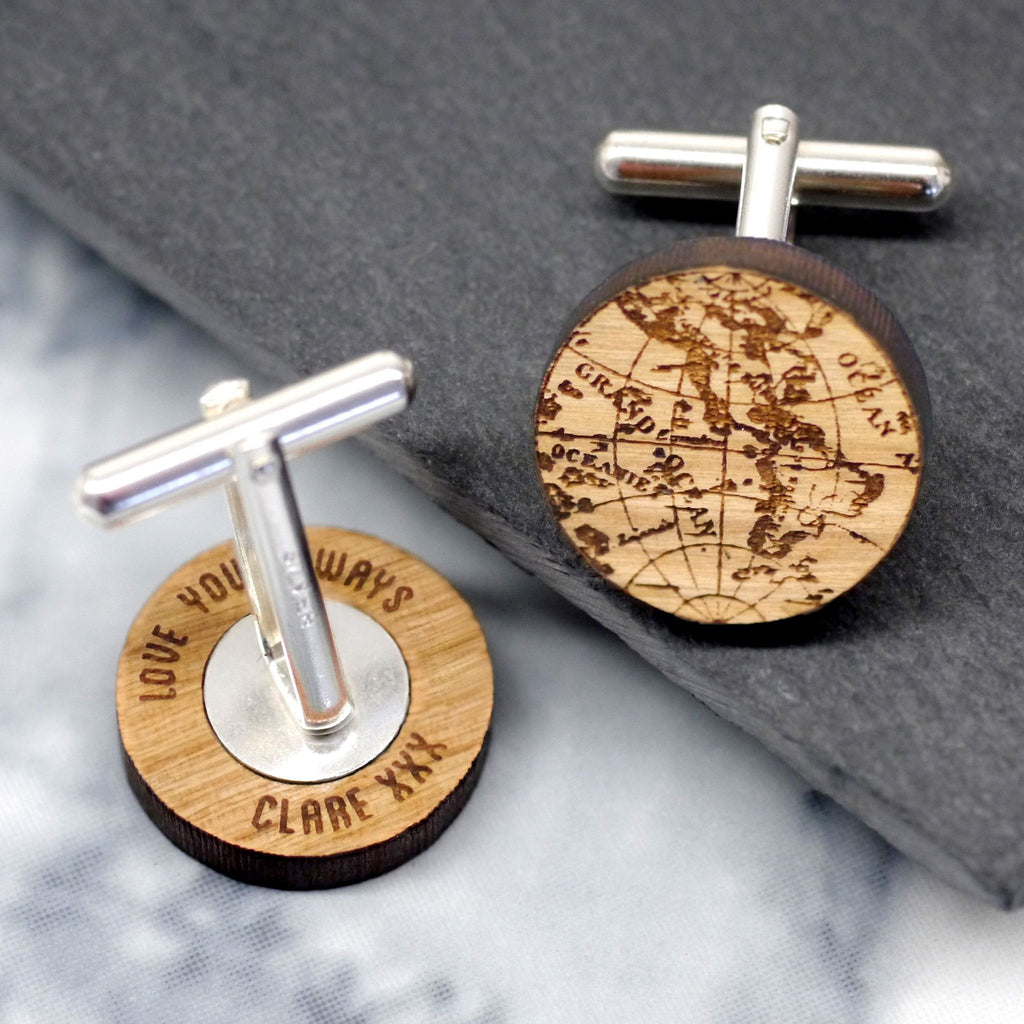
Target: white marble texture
[{"x": 626, "y": 857}]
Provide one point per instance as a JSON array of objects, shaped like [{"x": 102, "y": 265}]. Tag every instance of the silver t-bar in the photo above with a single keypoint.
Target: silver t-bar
[
  {"x": 242, "y": 444},
  {"x": 302, "y": 417},
  {"x": 766, "y": 192},
  {"x": 691, "y": 166},
  {"x": 291, "y": 620}
]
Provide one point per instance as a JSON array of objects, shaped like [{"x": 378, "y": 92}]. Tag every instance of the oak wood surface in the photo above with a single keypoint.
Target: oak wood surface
[
  {"x": 727, "y": 445},
  {"x": 305, "y": 835}
]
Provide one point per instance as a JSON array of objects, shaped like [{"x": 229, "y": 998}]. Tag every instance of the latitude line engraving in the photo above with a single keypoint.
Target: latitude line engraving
[
  {"x": 773, "y": 477},
  {"x": 618, "y": 483}
]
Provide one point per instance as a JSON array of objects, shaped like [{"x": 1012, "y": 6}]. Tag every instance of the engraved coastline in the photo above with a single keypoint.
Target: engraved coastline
[{"x": 726, "y": 446}]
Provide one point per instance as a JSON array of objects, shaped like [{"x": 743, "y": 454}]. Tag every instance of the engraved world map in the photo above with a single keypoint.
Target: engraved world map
[{"x": 726, "y": 446}]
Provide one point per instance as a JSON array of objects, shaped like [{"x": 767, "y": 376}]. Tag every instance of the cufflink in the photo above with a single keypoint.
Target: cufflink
[
  {"x": 297, "y": 708},
  {"x": 732, "y": 430}
]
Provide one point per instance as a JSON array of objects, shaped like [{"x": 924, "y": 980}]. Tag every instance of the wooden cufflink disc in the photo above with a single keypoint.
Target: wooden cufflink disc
[
  {"x": 306, "y": 835},
  {"x": 732, "y": 430}
]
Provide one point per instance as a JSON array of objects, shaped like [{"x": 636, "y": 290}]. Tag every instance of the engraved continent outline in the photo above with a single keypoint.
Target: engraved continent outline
[{"x": 720, "y": 378}]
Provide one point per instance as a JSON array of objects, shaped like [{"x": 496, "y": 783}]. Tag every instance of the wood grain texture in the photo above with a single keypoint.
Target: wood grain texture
[
  {"x": 727, "y": 443},
  {"x": 310, "y": 835}
]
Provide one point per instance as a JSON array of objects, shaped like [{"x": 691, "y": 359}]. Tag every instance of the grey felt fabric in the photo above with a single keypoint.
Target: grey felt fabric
[{"x": 312, "y": 181}]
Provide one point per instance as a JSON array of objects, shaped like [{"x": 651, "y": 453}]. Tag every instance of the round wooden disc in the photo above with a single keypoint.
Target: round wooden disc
[
  {"x": 732, "y": 431},
  {"x": 305, "y": 836}
]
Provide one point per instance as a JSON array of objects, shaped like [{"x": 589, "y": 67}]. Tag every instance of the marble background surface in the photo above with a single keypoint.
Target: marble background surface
[{"x": 627, "y": 855}]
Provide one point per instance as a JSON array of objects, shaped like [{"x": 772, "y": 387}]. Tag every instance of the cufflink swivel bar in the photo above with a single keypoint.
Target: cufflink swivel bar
[
  {"x": 242, "y": 445},
  {"x": 311, "y": 708},
  {"x": 766, "y": 190},
  {"x": 692, "y": 166},
  {"x": 803, "y": 368}
]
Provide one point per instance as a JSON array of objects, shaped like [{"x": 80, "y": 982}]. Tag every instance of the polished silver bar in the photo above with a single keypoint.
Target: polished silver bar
[
  {"x": 766, "y": 191},
  {"x": 218, "y": 399},
  {"x": 692, "y": 166},
  {"x": 302, "y": 417},
  {"x": 242, "y": 444},
  {"x": 288, "y": 609}
]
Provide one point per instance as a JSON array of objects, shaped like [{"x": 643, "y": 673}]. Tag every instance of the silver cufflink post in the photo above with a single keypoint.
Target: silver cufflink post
[
  {"x": 693, "y": 166},
  {"x": 243, "y": 444},
  {"x": 769, "y": 170},
  {"x": 752, "y": 314}
]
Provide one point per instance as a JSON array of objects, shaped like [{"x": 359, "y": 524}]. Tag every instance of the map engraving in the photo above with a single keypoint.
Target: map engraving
[{"x": 726, "y": 446}]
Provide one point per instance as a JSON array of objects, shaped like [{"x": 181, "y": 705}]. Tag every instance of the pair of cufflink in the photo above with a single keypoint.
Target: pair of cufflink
[{"x": 731, "y": 430}]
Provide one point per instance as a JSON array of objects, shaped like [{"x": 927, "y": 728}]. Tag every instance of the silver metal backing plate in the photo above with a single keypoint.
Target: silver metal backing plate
[{"x": 250, "y": 717}]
